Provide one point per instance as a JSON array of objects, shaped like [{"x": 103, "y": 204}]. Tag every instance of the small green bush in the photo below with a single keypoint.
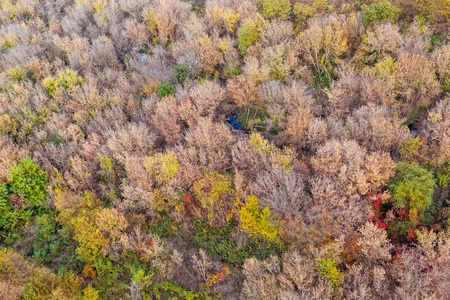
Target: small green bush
[
  {"x": 248, "y": 35},
  {"x": 218, "y": 243},
  {"x": 442, "y": 179},
  {"x": 51, "y": 240},
  {"x": 27, "y": 179},
  {"x": 17, "y": 74},
  {"x": 182, "y": 72},
  {"x": 378, "y": 12},
  {"x": 164, "y": 226},
  {"x": 413, "y": 186},
  {"x": 5, "y": 206},
  {"x": 322, "y": 81},
  {"x": 231, "y": 73},
  {"x": 280, "y": 9},
  {"x": 436, "y": 40},
  {"x": 412, "y": 118},
  {"x": 165, "y": 89},
  {"x": 11, "y": 220}
]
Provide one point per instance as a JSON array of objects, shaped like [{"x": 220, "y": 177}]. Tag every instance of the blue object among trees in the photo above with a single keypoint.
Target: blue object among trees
[{"x": 235, "y": 123}]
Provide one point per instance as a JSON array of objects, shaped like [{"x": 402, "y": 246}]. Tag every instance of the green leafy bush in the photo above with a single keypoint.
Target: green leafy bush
[
  {"x": 164, "y": 226},
  {"x": 182, "y": 72},
  {"x": 231, "y": 73},
  {"x": 412, "y": 118},
  {"x": 11, "y": 220},
  {"x": 27, "y": 179},
  {"x": 378, "y": 12},
  {"x": 17, "y": 74},
  {"x": 52, "y": 241},
  {"x": 322, "y": 81},
  {"x": 413, "y": 186},
  {"x": 280, "y": 9},
  {"x": 218, "y": 243},
  {"x": 442, "y": 179},
  {"x": 5, "y": 207},
  {"x": 248, "y": 35},
  {"x": 165, "y": 89}
]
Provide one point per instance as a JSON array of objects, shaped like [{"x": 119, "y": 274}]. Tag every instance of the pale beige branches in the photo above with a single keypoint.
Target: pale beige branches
[
  {"x": 353, "y": 167},
  {"x": 211, "y": 144},
  {"x": 439, "y": 132},
  {"x": 10, "y": 155},
  {"x": 374, "y": 243},
  {"x": 377, "y": 128},
  {"x": 207, "y": 97},
  {"x": 323, "y": 42},
  {"x": 166, "y": 119},
  {"x": 418, "y": 83}
]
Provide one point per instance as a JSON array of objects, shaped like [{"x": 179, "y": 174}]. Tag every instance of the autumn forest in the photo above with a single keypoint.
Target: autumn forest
[{"x": 224, "y": 149}]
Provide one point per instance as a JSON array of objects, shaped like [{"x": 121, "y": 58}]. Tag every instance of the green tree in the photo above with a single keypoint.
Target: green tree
[
  {"x": 25, "y": 191},
  {"x": 6, "y": 219},
  {"x": 280, "y": 9},
  {"x": 378, "y": 12},
  {"x": 182, "y": 72},
  {"x": 165, "y": 89},
  {"x": 28, "y": 180},
  {"x": 413, "y": 187},
  {"x": 248, "y": 35}
]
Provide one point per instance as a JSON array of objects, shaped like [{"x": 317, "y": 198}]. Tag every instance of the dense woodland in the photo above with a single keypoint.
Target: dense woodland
[{"x": 120, "y": 177}]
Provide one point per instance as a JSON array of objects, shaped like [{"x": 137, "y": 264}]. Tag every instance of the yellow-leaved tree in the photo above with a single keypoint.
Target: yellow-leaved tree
[
  {"x": 259, "y": 222},
  {"x": 284, "y": 158},
  {"x": 94, "y": 228},
  {"x": 163, "y": 166},
  {"x": 215, "y": 193}
]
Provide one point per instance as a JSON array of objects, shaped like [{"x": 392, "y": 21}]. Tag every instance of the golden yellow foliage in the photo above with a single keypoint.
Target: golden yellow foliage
[
  {"x": 162, "y": 166},
  {"x": 212, "y": 191},
  {"x": 278, "y": 157},
  {"x": 257, "y": 221}
]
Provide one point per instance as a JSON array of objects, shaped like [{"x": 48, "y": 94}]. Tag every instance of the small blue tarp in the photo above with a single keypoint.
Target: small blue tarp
[{"x": 235, "y": 123}]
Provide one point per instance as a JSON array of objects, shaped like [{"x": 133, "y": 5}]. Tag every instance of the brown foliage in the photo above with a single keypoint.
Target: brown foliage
[
  {"x": 376, "y": 128},
  {"x": 210, "y": 144},
  {"x": 243, "y": 91},
  {"x": 418, "y": 84},
  {"x": 167, "y": 120},
  {"x": 10, "y": 155},
  {"x": 439, "y": 132}
]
